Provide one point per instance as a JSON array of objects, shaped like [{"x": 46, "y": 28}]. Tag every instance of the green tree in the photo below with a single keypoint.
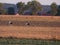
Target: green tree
[
  {"x": 58, "y": 13},
  {"x": 35, "y": 6},
  {"x": 21, "y": 7},
  {"x": 53, "y": 9},
  {"x": 2, "y": 10}
]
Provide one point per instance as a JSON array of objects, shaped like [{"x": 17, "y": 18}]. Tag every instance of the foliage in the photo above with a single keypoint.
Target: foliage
[
  {"x": 2, "y": 10},
  {"x": 35, "y": 6},
  {"x": 20, "y": 6},
  {"x": 22, "y": 41},
  {"x": 53, "y": 9},
  {"x": 58, "y": 14}
]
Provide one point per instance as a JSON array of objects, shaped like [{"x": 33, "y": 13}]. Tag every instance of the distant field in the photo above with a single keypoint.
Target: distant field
[{"x": 29, "y": 18}]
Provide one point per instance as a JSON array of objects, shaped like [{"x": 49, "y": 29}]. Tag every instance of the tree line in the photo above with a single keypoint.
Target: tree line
[{"x": 34, "y": 6}]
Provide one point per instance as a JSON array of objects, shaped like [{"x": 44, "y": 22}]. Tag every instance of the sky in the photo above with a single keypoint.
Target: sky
[{"x": 43, "y": 2}]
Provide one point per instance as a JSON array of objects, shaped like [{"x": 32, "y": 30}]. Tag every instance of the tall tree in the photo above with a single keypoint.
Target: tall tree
[
  {"x": 58, "y": 13},
  {"x": 2, "y": 10},
  {"x": 35, "y": 6},
  {"x": 53, "y": 9},
  {"x": 20, "y": 6}
]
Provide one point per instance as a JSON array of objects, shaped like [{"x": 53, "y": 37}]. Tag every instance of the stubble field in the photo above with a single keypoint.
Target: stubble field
[{"x": 49, "y": 30}]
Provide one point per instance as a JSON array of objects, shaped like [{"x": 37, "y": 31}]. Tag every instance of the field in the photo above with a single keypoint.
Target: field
[
  {"x": 43, "y": 30},
  {"x": 30, "y": 32},
  {"x": 29, "y": 18}
]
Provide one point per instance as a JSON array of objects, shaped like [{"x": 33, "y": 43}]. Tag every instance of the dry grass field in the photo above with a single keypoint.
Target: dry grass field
[{"x": 30, "y": 31}]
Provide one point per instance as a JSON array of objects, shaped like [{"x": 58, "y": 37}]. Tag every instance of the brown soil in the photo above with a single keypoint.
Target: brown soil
[{"x": 30, "y": 31}]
